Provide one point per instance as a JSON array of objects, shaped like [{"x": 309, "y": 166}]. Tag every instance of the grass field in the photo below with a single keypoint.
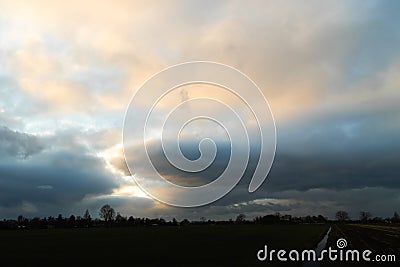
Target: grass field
[
  {"x": 380, "y": 239},
  {"x": 210, "y": 245}
]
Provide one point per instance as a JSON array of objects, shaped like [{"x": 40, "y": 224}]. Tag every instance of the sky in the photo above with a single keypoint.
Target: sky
[{"x": 329, "y": 70}]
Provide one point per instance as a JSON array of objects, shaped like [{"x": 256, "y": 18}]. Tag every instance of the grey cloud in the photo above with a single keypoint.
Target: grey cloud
[
  {"x": 52, "y": 181},
  {"x": 315, "y": 159},
  {"x": 298, "y": 203},
  {"x": 378, "y": 200},
  {"x": 349, "y": 151},
  {"x": 20, "y": 145},
  {"x": 70, "y": 177}
]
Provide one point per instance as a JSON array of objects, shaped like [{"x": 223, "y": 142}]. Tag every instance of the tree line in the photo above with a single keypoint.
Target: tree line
[
  {"x": 110, "y": 218},
  {"x": 366, "y": 216}
]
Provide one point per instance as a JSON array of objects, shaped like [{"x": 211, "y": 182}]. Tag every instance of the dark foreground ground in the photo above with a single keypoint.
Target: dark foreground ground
[
  {"x": 380, "y": 239},
  {"x": 224, "y": 245},
  {"x": 208, "y": 245}
]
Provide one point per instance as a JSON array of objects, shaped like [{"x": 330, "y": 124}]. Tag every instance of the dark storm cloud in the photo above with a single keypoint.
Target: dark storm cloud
[
  {"x": 341, "y": 160},
  {"x": 347, "y": 151},
  {"x": 190, "y": 151},
  {"x": 50, "y": 181},
  {"x": 18, "y": 144},
  {"x": 344, "y": 150},
  {"x": 62, "y": 179}
]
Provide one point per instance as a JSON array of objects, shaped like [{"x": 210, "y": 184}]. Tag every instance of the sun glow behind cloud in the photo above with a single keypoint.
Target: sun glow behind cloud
[
  {"x": 128, "y": 191},
  {"x": 111, "y": 154}
]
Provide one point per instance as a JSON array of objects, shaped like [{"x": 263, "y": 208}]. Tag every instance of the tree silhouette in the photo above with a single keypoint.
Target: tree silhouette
[
  {"x": 20, "y": 220},
  {"x": 396, "y": 217},
  {"x": 120, "y": 220},
  {"x": 185, "y": 222},
  {"x": 342, "y": 215},
  {"x": 111, "y": 218},
  {"x": 365, "y": 215},
  {"x": 107, "y": 213},
  {"x": 87, "y": 218},
  {"x": 131, "y": 220},
  {"x": 240, "y": 218},
  {"x": 71, "y": 221}
]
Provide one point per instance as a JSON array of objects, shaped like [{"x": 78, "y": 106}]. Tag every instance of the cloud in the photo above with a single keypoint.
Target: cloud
[
  {"x": 52, "y": 182},
  {"x": 18, "y": 144},
  {"x": 300, "y": 56},
  {"x": 330, "y": 75},
  {"x": 44, "y": 179}
]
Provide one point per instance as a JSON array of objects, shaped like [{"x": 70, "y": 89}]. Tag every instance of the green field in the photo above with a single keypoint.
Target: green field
[{"x": 208, "y": 245}]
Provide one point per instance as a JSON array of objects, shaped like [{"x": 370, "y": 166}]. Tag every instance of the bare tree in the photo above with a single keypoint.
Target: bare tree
[
  {"x": 342, "y": 215},
  {"x": 107, "y": 213}
]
